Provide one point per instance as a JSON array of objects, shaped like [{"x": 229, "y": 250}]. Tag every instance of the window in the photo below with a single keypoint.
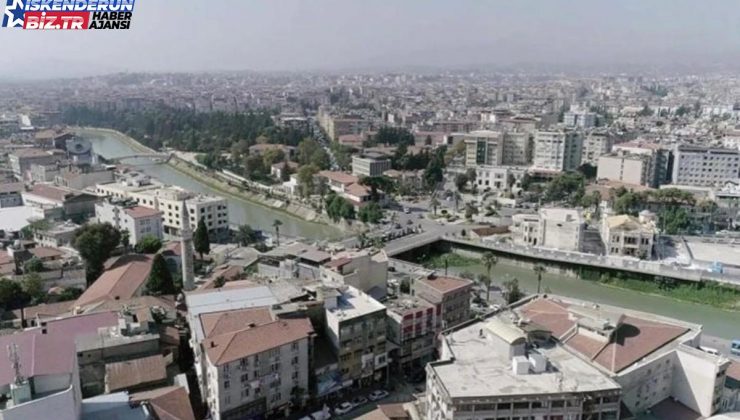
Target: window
[{"x": 227, "y": 384}]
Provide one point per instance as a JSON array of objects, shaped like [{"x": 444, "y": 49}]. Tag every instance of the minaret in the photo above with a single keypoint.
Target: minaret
[{"x": 186, "y": 248}]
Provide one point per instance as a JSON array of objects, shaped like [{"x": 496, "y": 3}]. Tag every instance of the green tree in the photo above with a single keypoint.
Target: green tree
[
  {"x": 11, "y": 295},
  {"x": 201, "y": 241},
  {"x": 371, "y": 213},
  {"x": 246, "y": 235},
  {"x": 125, "y": 240},
  {"x": 434, "y": 203},
  {"x": 512, "y": 292},
  {"x": 470, "y": 210},
  {"x": 33, "y": 265},
  {"x": 433, "y": 174},
  {"x": 272, "y": 156},
  {"x": 489, "y": 261},
  {"x": 148, "y": 244},
  {"x": 276, "y": 225},
  {"x": 33, "y": 287},
  {"x": 95, "y": 242},
  {"x": 538, "y": 269},
  {"x": 568, "y": 187},
  {"x": 305, "y": 177},
  {"x": 461, "y": 182},
  {"x": 160, "y": 280}
]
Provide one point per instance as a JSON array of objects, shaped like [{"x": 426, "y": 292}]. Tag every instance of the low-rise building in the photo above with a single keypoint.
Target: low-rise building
[
  {"x": 56, "y": 235},
  {"x": 10, "y": 194},
  {"x": 362, "y": 270},
  {"x": 450, "y": 297},
  {"x": 556, "y": 228},
  {"x": 626, "y": 168},
  {"x": 78, "y": 178},
  {"x": 138, "y": 221},
  {"x": 628, "y": 235},
  {"x": 22, "y": 159},
  {"x": 75, "y": 205},
  {"x": 412, "y": 328},
  {"x": 370, "y": 165}
]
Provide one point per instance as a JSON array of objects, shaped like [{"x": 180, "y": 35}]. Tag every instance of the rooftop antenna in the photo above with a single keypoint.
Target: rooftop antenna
[{"x": 16, "y": 363}]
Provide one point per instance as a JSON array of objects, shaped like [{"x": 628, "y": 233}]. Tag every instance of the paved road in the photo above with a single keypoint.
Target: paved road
[{"x": 720, "y": 344}]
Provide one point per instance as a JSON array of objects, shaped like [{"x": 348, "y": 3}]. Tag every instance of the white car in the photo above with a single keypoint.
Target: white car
[
  {"x": 343, "y": 408},
  {"x": 377, "y": 395}
]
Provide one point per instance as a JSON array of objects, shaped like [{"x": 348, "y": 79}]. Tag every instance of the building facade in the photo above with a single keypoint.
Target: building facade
[
  {"x": 557, "y": 150},
  {"x": 704, "y": 166}
]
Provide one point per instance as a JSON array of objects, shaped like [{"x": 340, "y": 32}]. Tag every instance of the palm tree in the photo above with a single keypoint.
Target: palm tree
[
  {"x": 457, "y": 197},
  {"x": 489, "y": 261},
  {"x": 276, "y": 224},
  {"x": 538, "y": 269}
]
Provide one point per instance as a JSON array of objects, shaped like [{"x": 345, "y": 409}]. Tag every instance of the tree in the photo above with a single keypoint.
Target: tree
[
  {"x": 587, "y": 170},
  {"x": 272, "y": 156},
  {"x": 125, "y": 240},
  {"x": 11, "y": 295},
  {"x": 538, "y": 269},
  {"x": 489, "y": 261},
  {"x": 148, "y": 244},
  {"x": 306, "y": 179},
  {"x": 434, "y": 203},
  {"x": 95, "y": 242},
  {"x": 276, "y": 224},
  {"x": 160, "y": 280},
  {"x": 246, "y": 235},
  {"x": 461, "y": 182},
  {"x": 470, "y": 210},
  {"x": 568, "y": 187},
  {"x": 456, "y": 196},
  {"x": 33, "y": 287},
  {"x": 371, "y": 213},
  {"x": 201, "y": 241},
  {"x": 512, "y": 291},
  {"x": 433, "y": 174},
  {"x": 34, "y": 265},
  {"x": 526, "y": 181}
]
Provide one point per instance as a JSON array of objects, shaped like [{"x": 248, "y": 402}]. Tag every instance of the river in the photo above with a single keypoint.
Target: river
[
  {"x": 716, "y": 322},
  {"x": 240, "y": 211}
]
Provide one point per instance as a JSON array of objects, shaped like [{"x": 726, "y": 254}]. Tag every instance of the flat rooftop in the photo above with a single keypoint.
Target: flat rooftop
[
  {"x": 353, "y": 303},
  {"x": 479, "y": 370},
  {"x": 711, "y": 252}
]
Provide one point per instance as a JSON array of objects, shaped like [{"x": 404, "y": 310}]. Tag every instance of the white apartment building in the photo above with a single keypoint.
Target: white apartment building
[
  {"x": 556, "y": 228},
  {"x": 167, "y": 199},
  {"x": 498, "y": 178},
  {"x": 704, "y": 166},
  {"x": 627, "y": 168},
  {"x": 596, "y": 144},
  {"x": 257, "y": 368},
  {"x": 370, "y": 165},
  {"x": 557, "y": 150},
  {"x": 579, "y": 119},
  {"x": 659, "y": 159},
  {"x": 628, "y": 235},
  {"x": 139, "y": 221}
]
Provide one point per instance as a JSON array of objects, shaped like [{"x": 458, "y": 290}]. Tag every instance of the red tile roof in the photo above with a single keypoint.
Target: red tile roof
[
  {"x": 136, "y": 372},
  {"x": 217, "y": 323},
  {"x": 139, "y": 212},
  {"x": 169, "y": 403},
  {"x": 733, "y": 371},
  {"x": 229, "y": 347},
  {"x": 447, "y": 284},
  {"x": 339, "y": 177},
  {"x": 45, "y": 252},
  {"x": 121, "y": 280},
  {"x": 634, "y": 339},
  {"x": 50, "y": 193}
]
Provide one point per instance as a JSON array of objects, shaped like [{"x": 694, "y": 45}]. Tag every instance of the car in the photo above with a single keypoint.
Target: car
[
  {"x": 735, "y": 347},
  {"x": 378, "y": 395},
  {"x": 409, "y": 222},
  {"x": 406, "y": 210},
  {"x": 357, "y": 401},
  {"x": 343, "y": 408}
]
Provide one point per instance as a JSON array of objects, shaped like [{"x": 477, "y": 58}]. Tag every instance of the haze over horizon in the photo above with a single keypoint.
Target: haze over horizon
[{"x": 294, "y": 35}]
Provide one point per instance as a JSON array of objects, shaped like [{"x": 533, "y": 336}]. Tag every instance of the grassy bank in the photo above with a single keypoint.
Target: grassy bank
[
  {"x": 452, "y": 260},
  {"x": 704, "y": 293}
]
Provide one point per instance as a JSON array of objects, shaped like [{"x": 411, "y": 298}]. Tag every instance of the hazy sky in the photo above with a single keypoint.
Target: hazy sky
[{"x": 185, "y": 35}]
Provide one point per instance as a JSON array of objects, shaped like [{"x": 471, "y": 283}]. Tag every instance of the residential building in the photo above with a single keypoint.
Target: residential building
[
  {"x": 79, "y": 178},
  {"x": 412, "y": 328},
  {"x": 626, "y": 168},
  {"x": 501, "y": 368},
  {"x": 595, "y": 144},
  {"x": 579, "y": 119},
  {"x": 338, "y": 181},
  {"x": 450, "y": 297},
  {"x": 124, "y": 278},
  {"x": 517, "y": 148},
  {"x": 45, "y": 172},
  {"x": 557, "y": 150},
  {"x": 694, "y": 165},
  {"x": 138, "y": 221},
  {"x": 483, "y": 148},
  {"x": 660, "y": 159},
  {"x": 22, "y": 159},
  {"x": 628, "y": 235},
  {"x": 167, "y": 199},
  {"x": 356, "y": 328},
  {"x": 10, "y": 194},
  {"x": 74, "y": 204},
  {"x": 556, "y": 228},
  {"x": 370, "y": 165},
  {"x": 498, "y": 178},
  {"x": 294, "y": 260},
  {"x": 277, "y": 170},
  {"x": 363, "y": 270},
  {"x": 56, "y": 234}
]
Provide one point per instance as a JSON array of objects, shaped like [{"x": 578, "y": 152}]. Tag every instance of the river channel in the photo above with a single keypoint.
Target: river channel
[{"x": 240, "y": 211}]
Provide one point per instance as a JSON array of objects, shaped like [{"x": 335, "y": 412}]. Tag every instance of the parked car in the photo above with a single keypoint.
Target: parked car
[
  {"x": 378, "y": 395},
  {"x": 357, "y": 401},
  {"x": 343, "y": 408}
]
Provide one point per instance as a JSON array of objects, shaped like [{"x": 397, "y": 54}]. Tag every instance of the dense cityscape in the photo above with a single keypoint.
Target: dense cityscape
[{"x": 420, "y": 236}]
